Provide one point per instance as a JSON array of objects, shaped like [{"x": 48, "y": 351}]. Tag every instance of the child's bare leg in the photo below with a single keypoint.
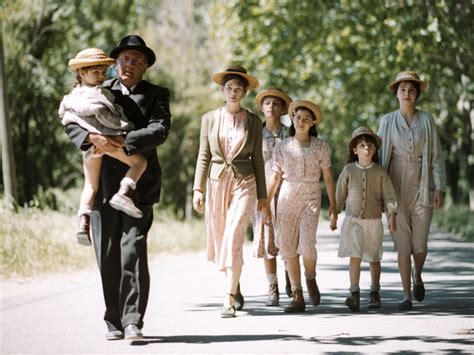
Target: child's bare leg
[
  {"x": 375, "y": 271},
  {"x": 136, "y": 162},
  {"x": 354, "y": 273},
  {"x": 294, "y": 271},
  {"x": 353, "y": 300},
  {"x": 92, "y": 168}
]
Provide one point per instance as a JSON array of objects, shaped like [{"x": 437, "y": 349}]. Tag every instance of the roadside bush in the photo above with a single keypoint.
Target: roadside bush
[{"x": 456, "y": 219}]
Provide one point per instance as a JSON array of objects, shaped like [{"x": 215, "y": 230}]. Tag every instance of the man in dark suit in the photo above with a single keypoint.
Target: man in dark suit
[{"x": 120, "y": 241}]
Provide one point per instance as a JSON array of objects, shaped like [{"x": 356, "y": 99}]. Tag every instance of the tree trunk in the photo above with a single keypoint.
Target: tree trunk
[{"x": 8, "y": 162}]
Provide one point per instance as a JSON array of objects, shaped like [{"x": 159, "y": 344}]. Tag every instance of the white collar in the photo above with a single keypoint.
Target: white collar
[
  {"x": 126, "y": 90},
  {"x": 364, "y": 167}
]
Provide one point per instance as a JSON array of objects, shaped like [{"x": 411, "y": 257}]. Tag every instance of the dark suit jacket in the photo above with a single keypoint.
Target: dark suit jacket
[{"x": 148, "y": 108}]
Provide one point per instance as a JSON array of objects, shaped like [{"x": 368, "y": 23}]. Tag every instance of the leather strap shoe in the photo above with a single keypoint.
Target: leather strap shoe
[{"x": 132, "y": 332}]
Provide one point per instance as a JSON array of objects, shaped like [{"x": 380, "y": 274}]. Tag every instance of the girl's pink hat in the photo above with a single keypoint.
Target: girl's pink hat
[{"x": 90, "y": 57}]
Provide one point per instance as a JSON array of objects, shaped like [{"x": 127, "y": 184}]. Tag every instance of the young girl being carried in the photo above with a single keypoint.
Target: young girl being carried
[
  {"x": 92, "y": 107},
  {"x": 298, "y": 163},
  {"x": 366, "y": 189}
]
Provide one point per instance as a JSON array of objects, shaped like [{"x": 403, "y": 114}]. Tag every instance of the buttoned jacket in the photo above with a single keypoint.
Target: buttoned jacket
[
  {"x": 366, "y": 192},
  {"x": 248, "y": 161}
]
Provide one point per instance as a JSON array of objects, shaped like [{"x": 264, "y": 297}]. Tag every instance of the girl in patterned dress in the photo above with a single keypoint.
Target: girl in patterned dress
[
  {"x": 298, "y": 163},
  {"x": 274, "y": 103},
  {"x": 365, "y": 188},
  {"x": 230, "y": 170}
]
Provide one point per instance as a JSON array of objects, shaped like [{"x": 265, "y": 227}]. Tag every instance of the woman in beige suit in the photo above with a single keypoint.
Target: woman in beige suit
[
  {"x": 230, "y": 171},
  {"x": 411, "y": 151}
]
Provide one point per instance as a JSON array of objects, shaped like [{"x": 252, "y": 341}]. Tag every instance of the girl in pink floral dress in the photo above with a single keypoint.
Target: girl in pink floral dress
[
  {"x": 230, "y": 170},
  {"x": 299, "y": 162}
]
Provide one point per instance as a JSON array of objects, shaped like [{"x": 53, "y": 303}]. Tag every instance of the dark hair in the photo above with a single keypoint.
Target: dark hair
[
  {"x": 78, "y": 79},
  {"x": 415, "y": 84},
  {"x": 363, "y": 138},
  {"x": 239, "y": 78},
  {"x": 283, "y": 102},
  {"x": 312, "y": 131}
]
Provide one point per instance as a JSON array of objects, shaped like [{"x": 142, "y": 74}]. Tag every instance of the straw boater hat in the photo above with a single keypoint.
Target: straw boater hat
[
  {"x": 275, "y": 92},
  {"x": 136, "y": 43},
  {"x": 308, "y": 105},
  {"x": 90, "y": 57},
  {"x": 237, "y": 70},
  {"x": 365, "y": 131},
  {"x": 408, "y": 76}
]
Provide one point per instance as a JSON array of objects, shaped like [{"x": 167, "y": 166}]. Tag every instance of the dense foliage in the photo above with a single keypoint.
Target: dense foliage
[{"x": 341, "y": 54}]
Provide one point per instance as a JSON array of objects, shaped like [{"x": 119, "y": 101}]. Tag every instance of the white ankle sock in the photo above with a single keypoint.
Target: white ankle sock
[
  {"x": 126, "y": 181},
  {"x": 272, "y": 279}
]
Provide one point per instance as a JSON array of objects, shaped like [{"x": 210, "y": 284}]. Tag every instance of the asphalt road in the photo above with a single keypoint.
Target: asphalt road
[{"x": 61, "y": 314}]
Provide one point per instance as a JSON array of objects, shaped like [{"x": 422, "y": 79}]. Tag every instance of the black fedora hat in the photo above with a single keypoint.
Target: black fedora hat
[{"x": 137, "y": 43}]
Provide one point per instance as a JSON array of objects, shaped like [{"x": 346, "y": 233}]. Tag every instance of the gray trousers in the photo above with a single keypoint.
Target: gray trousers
[{"x": 120, "y": 244}]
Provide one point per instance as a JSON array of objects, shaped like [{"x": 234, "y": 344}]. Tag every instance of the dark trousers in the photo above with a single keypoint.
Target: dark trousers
[{"x": 120, "y": 244}]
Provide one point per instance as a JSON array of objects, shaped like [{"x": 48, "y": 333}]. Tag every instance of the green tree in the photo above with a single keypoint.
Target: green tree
[
  {"x": 39, "y": 38},
  {"x": 342, "y": 54}
]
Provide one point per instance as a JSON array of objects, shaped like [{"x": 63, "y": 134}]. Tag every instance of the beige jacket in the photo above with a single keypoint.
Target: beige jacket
[
  {"x": 247, "y": 162},
  {"x": 433, "y": 171},
  {"x": 366, "y": 192}
]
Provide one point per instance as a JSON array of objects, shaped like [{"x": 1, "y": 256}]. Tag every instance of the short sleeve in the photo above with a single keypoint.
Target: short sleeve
[
  {"x": 278, "y": 158},
  {"x": 325, "y": 161}
]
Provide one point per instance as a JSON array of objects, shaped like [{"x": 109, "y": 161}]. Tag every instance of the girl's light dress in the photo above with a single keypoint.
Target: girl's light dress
[
  {"x": 299, "y": 200},
  {"x": 263, "y": 233},
  {"x": 230, "y": 200}
]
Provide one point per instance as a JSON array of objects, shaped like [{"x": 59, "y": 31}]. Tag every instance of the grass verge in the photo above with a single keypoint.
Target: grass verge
[
  {"x": 35, "y": 241},
  {"x": 456, "y": 219}
]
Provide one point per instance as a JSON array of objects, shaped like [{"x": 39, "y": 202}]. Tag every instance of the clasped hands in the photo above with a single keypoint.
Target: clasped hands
[{"x": 106, "y": 144}]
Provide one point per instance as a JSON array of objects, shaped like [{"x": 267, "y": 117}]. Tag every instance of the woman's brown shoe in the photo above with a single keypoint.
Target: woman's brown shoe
[{"x": 297, "y": 305}]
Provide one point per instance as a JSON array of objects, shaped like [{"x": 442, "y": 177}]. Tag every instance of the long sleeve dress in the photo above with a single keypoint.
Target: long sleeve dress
[
  {"x": 230, "y": 160},
  {"x": 412, "y": 154}
]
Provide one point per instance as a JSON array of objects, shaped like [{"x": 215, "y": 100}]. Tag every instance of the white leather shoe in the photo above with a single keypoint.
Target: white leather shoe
[{"x": 125, "y": 204}]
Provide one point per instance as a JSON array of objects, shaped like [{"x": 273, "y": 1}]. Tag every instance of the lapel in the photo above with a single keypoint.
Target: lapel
[
  {"x": 217, "y": 124},
  {"x": 134, "y": 105}
]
